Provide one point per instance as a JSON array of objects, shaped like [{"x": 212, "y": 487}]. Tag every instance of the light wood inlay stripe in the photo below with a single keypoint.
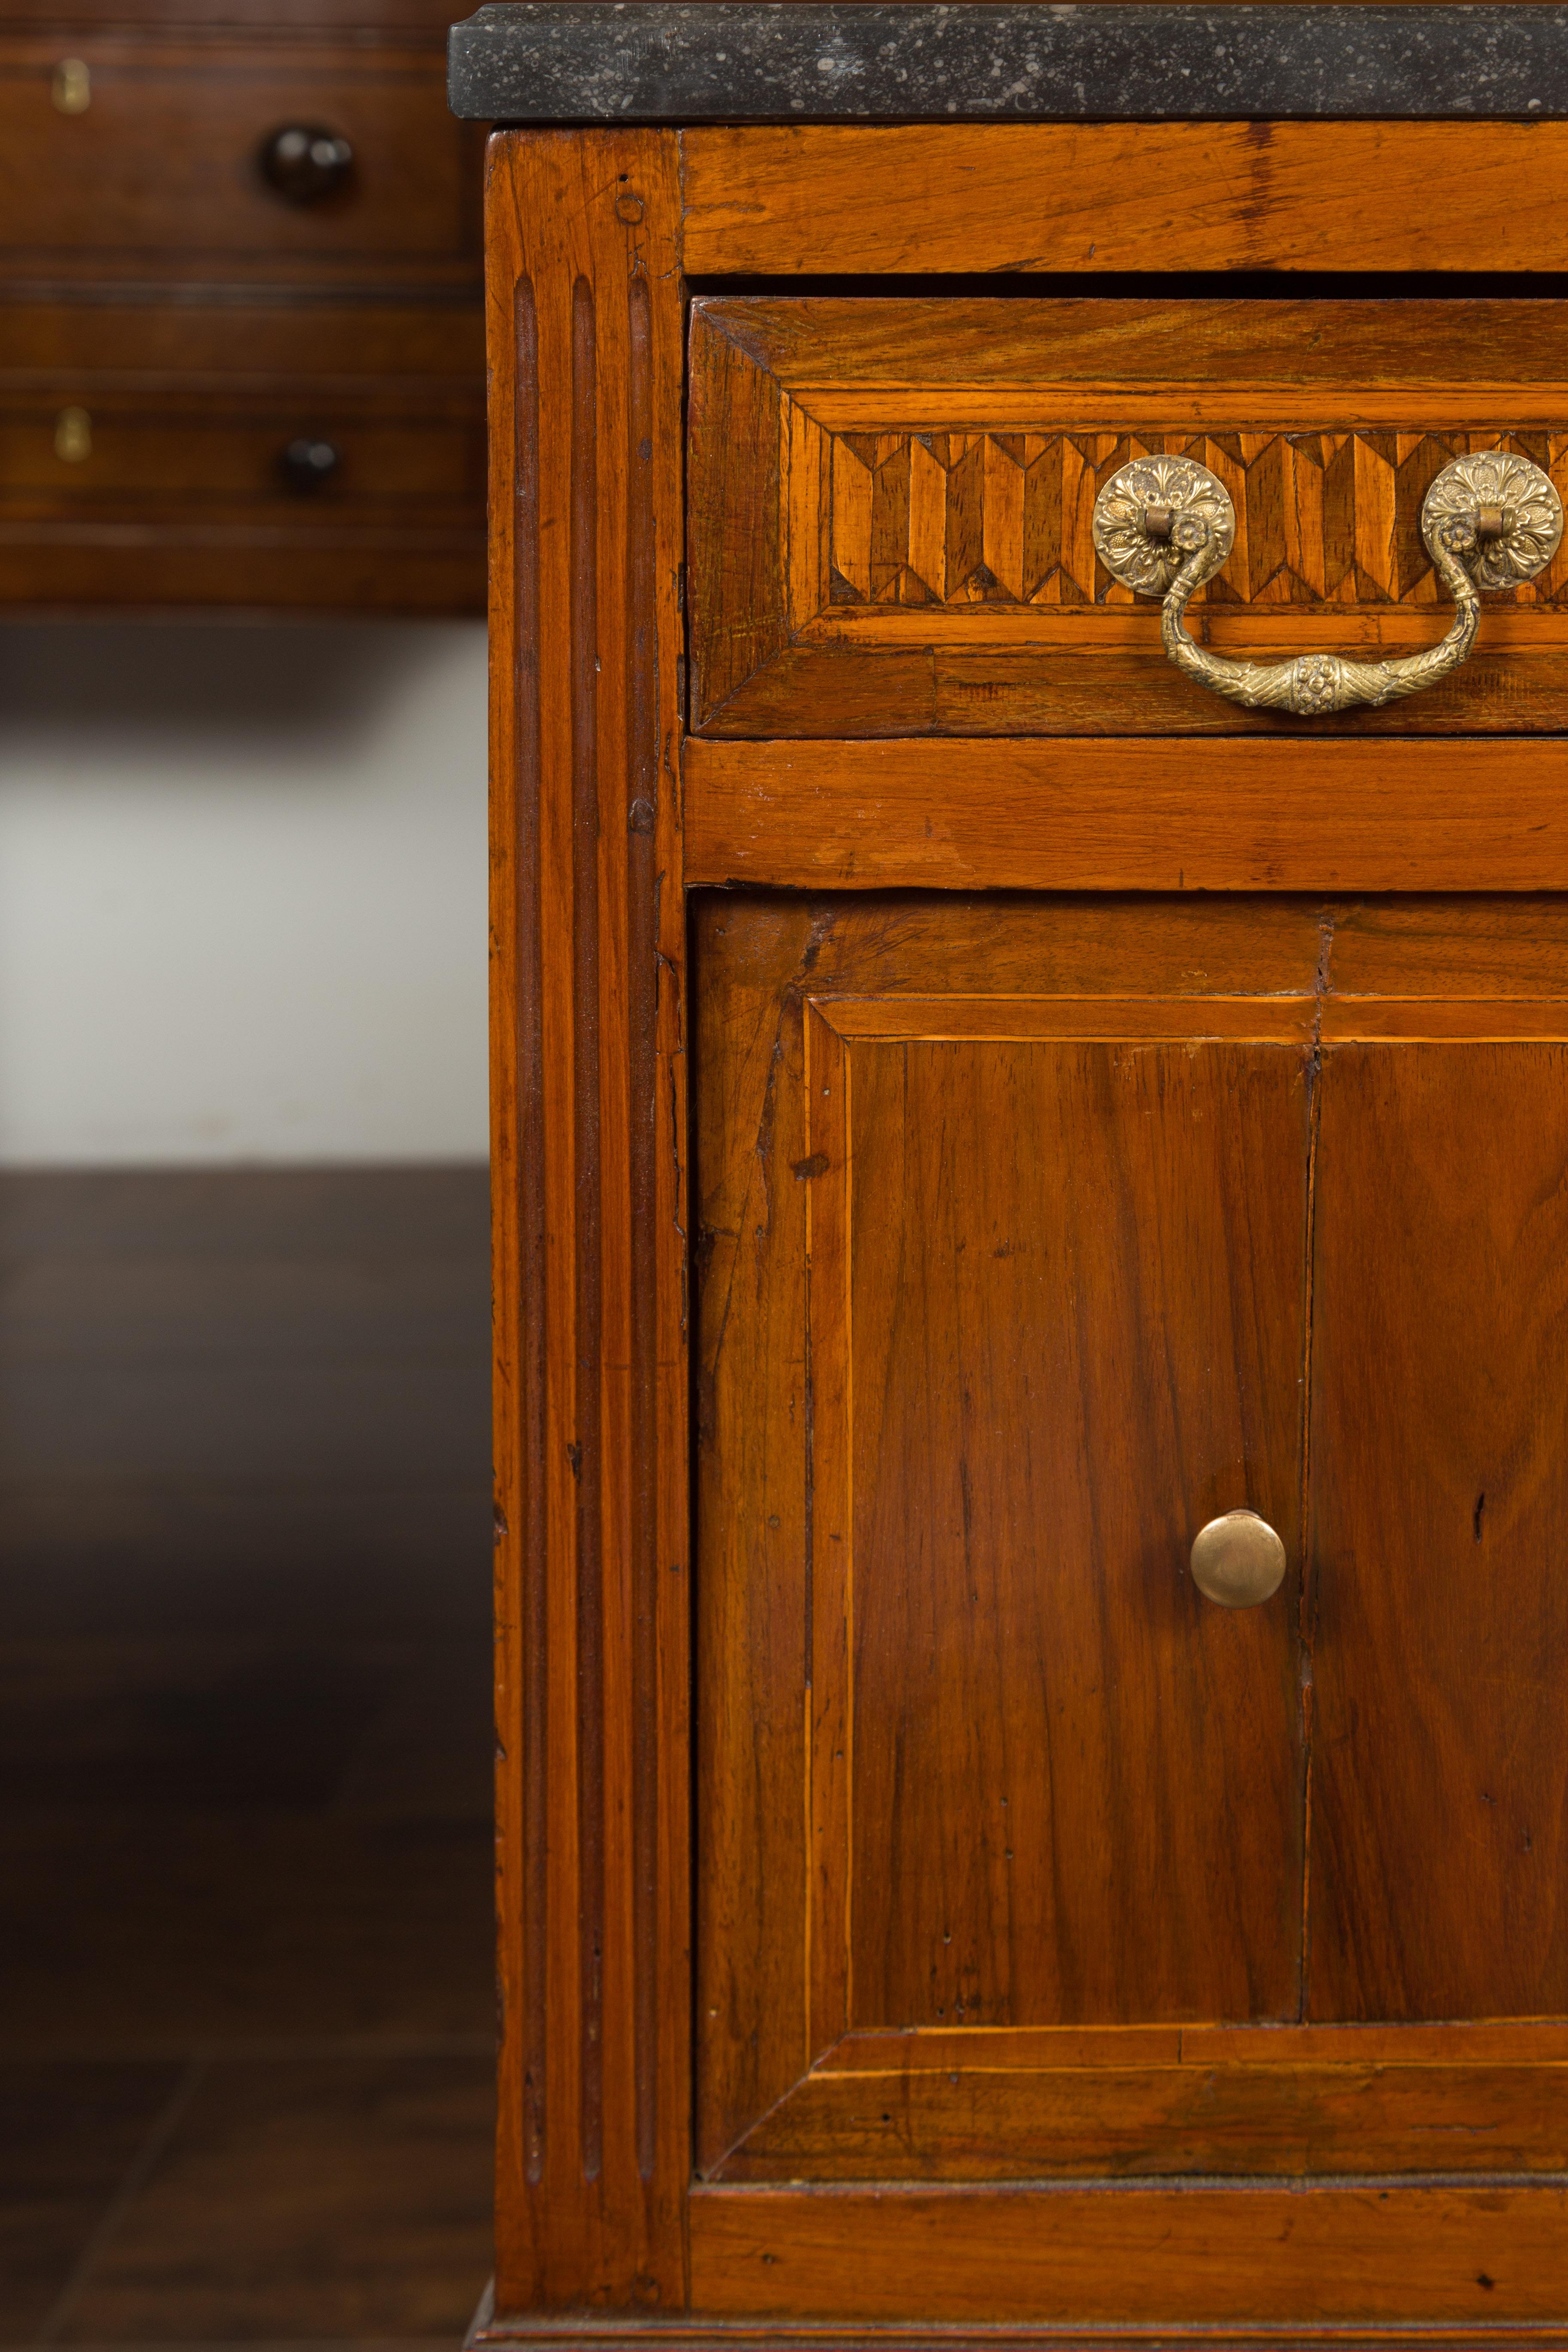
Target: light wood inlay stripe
[
  {"x": 1483, "y": 1020},
  {"x": 933, "y": 1020}
]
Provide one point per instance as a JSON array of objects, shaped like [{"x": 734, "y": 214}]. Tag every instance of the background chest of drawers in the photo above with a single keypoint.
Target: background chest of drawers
[{"x": 241, "y": 328}]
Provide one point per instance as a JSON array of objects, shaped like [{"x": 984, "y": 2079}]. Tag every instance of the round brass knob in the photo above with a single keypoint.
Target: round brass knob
[{"x": 1237, "y": 1560}]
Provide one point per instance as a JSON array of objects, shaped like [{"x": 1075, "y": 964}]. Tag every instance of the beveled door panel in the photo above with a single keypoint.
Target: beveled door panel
[
  {"x": 1073, "y": 1337},
  {"x": 1439, "y": 1808},
  {"x": 1004, "y": 1217},
  {"x": 1005, "y": 1206}
]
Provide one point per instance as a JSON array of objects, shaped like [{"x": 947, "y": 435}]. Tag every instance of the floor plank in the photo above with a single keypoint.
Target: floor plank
[
  {"x": 68, "y": 2136},
  {"x": 334, "y": 2197},
  {"x": 246, "y": 1856}
]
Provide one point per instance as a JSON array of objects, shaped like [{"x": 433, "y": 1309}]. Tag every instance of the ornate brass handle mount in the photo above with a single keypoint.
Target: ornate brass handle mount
[{"x": 1165, "y": 525}]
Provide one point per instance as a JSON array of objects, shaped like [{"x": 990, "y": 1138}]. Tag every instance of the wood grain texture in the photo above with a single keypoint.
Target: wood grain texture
[
  {"x": 891, "y": 507},
  {"x": 1074, "y": 1322},
  {"x": 1119, "y": 197},
  {"x": 177, "y": 569},
  {"x": 379, "y": 351},
  {"x": 1119, "y": 815},
  {"x": 977, "y": 2102},
  {"x": 1469, "y": 947},
  {"x": 733, "y": 416},
  {"x": 1017, "y": 2123},
  {"x": 1101, "y": 674},
  {"x": 1438, "y": 1522},
  {"x": 843, "y": 351},
  {"x": 751, "y": 1625},
  {"x": 1476, "y": 2258},
  {"x": 1040, "y": 1881},
  {"x": 588, "y": 1082}
]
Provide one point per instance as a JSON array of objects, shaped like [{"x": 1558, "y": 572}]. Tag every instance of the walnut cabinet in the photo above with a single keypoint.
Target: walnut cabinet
[{"x": 973, "y": 1108}]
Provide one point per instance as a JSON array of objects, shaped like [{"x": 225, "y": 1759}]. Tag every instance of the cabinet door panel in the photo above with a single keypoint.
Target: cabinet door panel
[
  {"x": 1439, "y": 1452},
  {"x": 1002, "y": 1262},
  {"x": 1074, "y": 1336}
]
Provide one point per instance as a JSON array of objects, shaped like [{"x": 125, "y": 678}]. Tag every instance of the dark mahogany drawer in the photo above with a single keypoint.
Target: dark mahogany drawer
[
  {"x": 304, "y": 501},
  {"x": 310, "y": 455},
  {"x": 891, "y": 505},
  {"x": 150, "y": 154},
  {"x": 75, "y": 350}
]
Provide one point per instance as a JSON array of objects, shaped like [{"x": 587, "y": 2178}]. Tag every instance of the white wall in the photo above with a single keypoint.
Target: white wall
[{"x": 242, "y": 893}]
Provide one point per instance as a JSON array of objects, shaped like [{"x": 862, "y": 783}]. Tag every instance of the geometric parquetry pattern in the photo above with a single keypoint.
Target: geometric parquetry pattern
[{"x": 972, "y": 518}]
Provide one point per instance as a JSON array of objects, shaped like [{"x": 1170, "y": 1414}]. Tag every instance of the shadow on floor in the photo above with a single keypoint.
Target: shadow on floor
[{"x": 245, "y": 2005}]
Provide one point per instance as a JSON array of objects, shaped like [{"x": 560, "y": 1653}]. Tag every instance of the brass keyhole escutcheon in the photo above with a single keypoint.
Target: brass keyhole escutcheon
[
  {"x": 71, "y": 86},
  {"x": 73, "y": 435},
  {"x": 1237, "y": 1560}
]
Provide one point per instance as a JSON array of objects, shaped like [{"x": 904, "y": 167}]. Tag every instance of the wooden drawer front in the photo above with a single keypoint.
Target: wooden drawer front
[
  {"x": 187, "y": 502},
  {"x": 164, "y": 162},
  {"x": 891, "y": 505},
  {"x": 75, "y": 350},
  {"x": 205, "y": 455}
]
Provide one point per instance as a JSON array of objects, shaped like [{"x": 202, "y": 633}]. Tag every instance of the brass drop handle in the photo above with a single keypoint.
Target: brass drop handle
[
  {"x": 1165, "y": 525},
  {"x": 1237, "y": 1560}
]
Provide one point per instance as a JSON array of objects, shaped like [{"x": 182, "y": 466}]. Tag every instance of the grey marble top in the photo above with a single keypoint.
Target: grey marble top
[{"x": 913, "y": 61}]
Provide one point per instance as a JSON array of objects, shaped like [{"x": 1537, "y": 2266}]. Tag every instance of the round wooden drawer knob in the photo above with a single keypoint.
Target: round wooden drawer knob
[
  {"x": 304, "y": 162},
  {"x": 307, "y": 463},
  {"x": 1237, "y": 1560}
]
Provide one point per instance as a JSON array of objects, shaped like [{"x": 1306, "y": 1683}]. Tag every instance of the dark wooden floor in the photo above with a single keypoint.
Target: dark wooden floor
[{"x": 246, "y": 2007}]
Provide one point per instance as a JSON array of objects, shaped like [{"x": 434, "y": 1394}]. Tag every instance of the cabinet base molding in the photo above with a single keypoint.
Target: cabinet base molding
[{"x": 1363, "y": 2252}]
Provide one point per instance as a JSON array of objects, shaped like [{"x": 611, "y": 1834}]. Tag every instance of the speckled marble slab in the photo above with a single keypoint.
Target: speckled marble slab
[{"x": 860, "y": 60}]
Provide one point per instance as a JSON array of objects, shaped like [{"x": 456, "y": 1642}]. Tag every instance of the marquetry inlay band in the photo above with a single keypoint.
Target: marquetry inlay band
[{"x": 974, "y": 518}]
